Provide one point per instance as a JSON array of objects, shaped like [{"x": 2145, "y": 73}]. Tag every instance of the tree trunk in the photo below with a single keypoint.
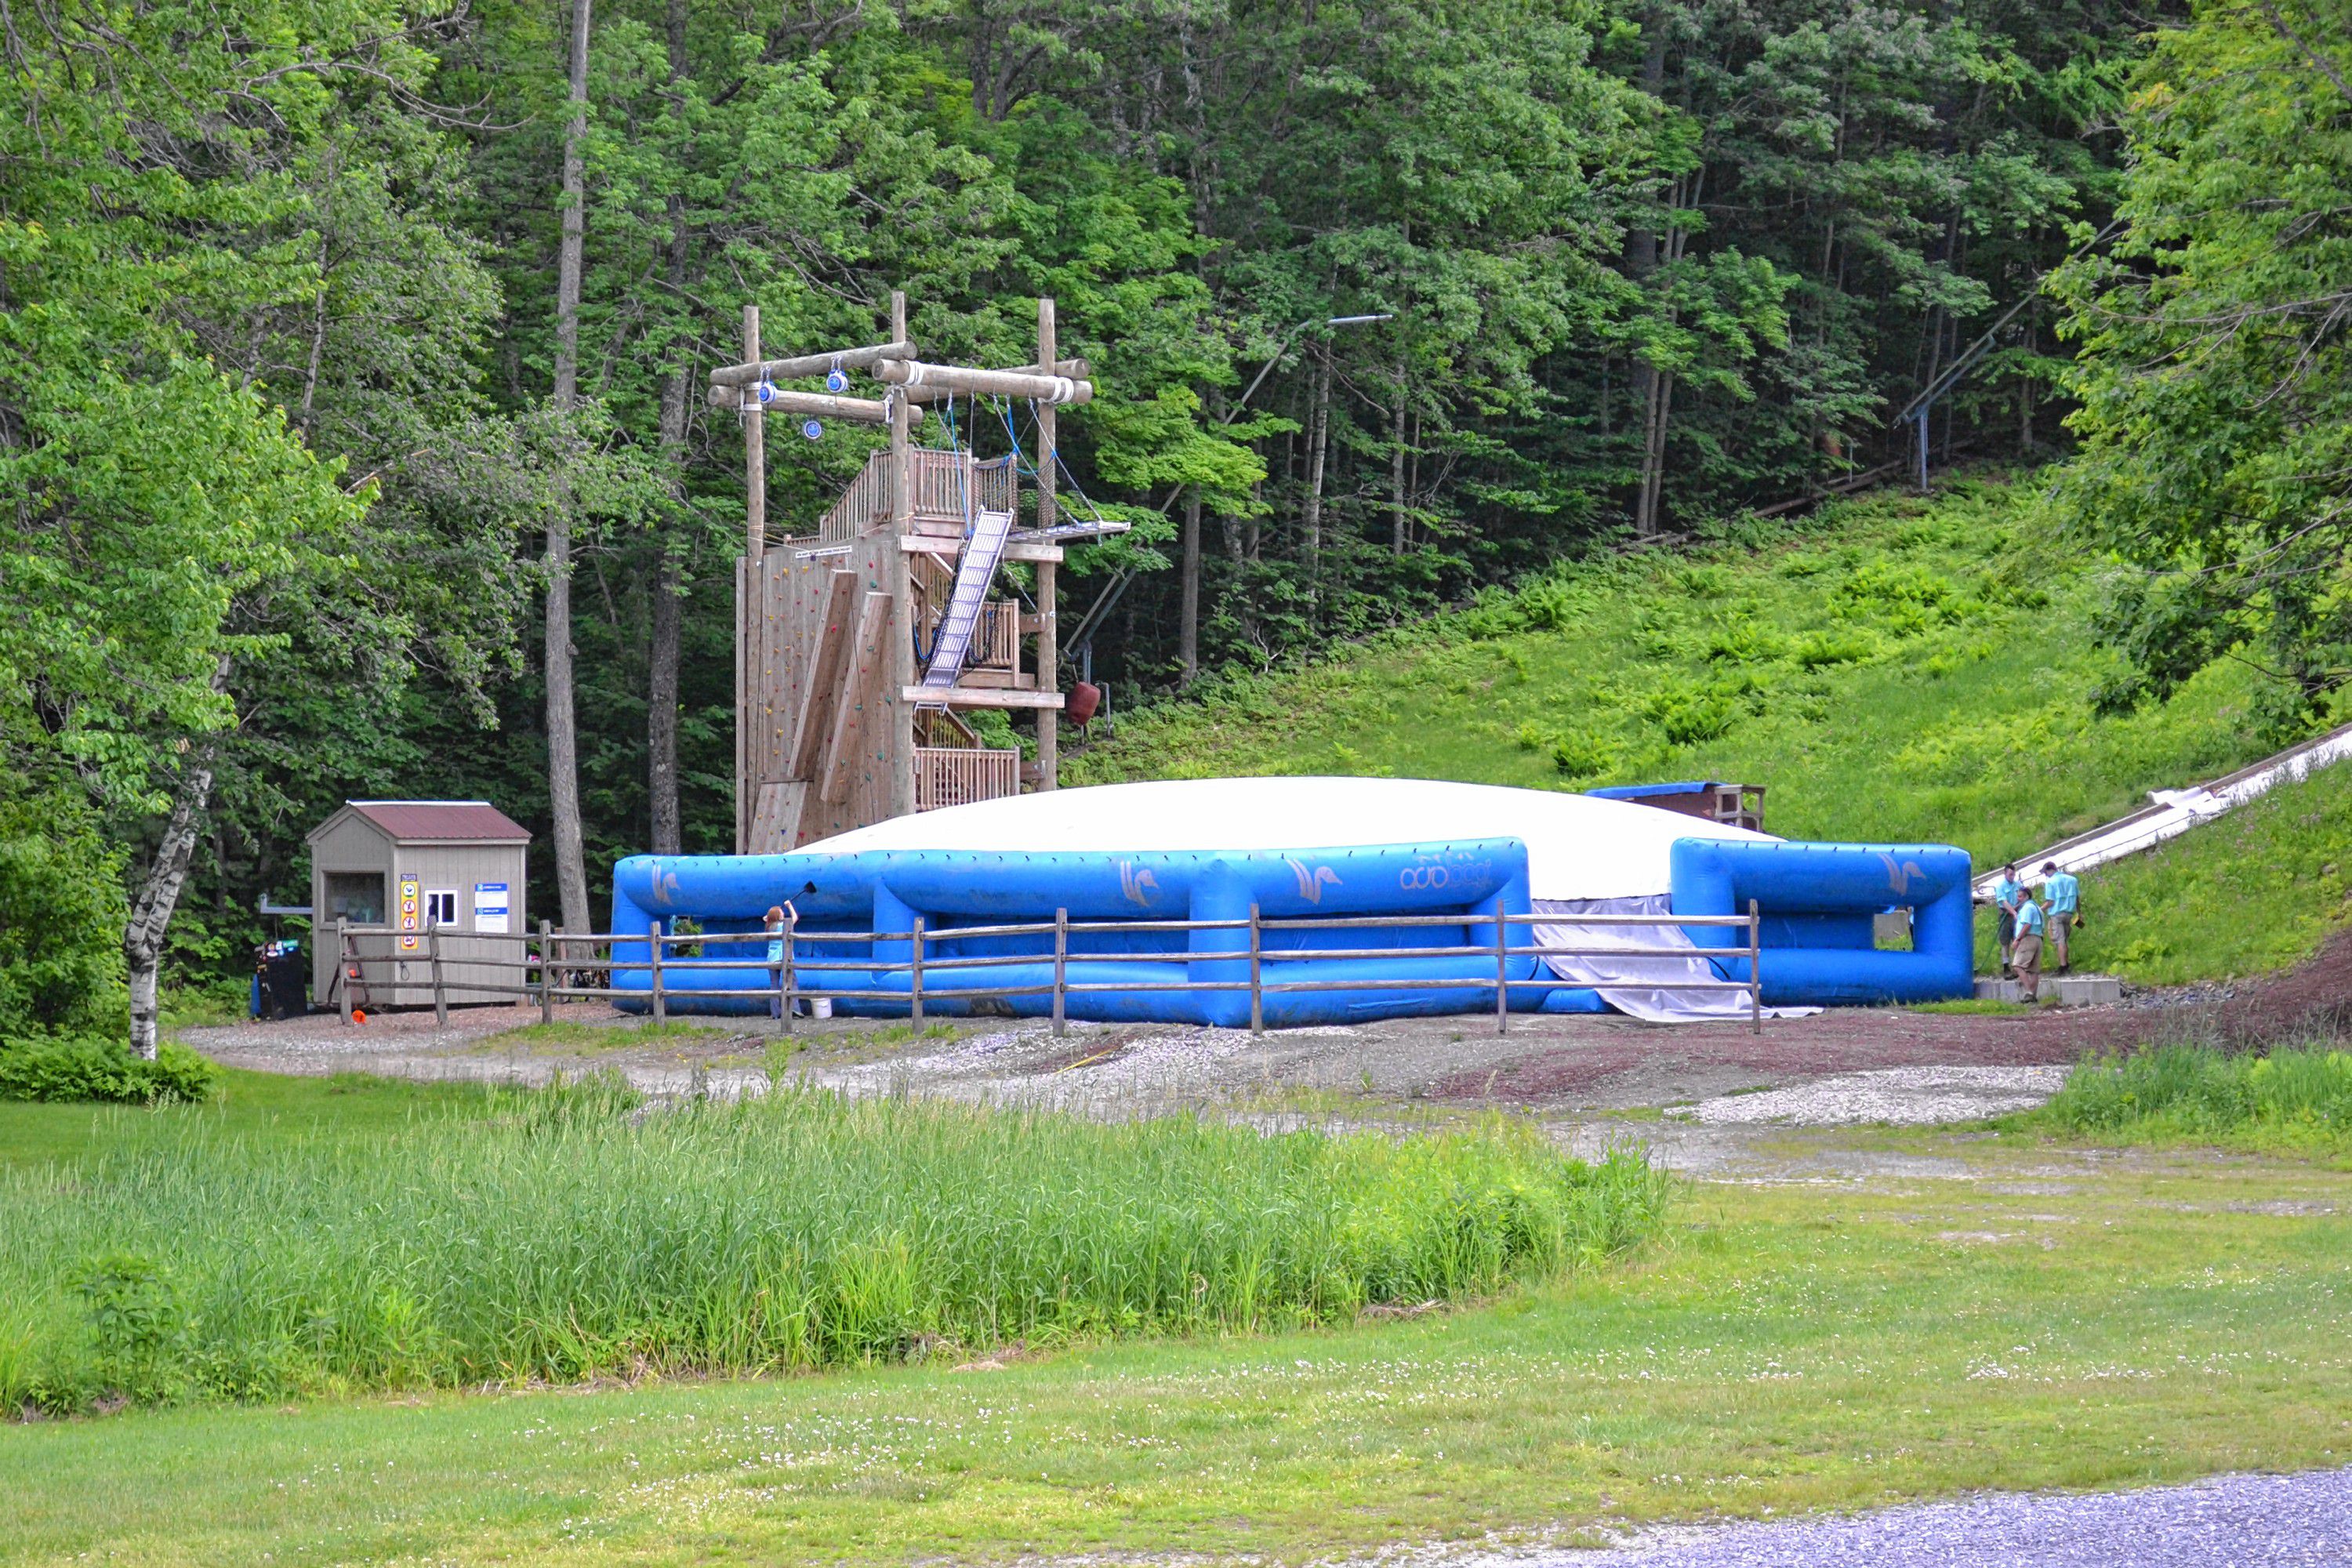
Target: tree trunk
[
  {"x": 1396, "y": 471},
  {"x": 1188, "y": 611},
  {"x": 1319, "y": 442},
  {"x": 151, "y": 912},
  {"x": 662, "y": 658},
  {"x": 562, "y": 732},
  {"x": 1654, "y": 450}
]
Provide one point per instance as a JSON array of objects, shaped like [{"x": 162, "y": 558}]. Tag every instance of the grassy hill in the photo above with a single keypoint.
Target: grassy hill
[{"x": 1896, "y": 668}]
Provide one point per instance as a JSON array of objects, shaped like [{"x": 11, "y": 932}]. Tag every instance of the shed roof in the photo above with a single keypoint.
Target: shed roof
[{"x": 442, "y": 821}]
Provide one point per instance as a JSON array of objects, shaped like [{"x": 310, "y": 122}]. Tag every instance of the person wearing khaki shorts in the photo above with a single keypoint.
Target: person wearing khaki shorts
[{"x": 2025, "y": 953}]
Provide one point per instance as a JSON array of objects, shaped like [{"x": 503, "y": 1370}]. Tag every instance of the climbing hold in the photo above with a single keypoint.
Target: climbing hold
[
  {"x": 814, "y": 429},
  {"x": 836, "y": 380}
]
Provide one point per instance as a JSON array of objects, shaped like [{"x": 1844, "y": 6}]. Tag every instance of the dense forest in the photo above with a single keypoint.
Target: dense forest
[{"x": 348, "y": 345}]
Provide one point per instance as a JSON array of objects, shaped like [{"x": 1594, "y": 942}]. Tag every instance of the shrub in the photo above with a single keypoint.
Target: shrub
[
  {"x": 2296, "y": 1097},
  {"x": 569, "y": 1239},
  {"x": 51, "y": 1068}
]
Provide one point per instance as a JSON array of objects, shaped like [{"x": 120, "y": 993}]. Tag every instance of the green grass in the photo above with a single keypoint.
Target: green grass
[
  {"x": 559, "y": 1238},
  {"x": 2290, "y": 1100},
  {"x": 2134, "y": 1320},
  {"x": 568, "y": 1036},
  {"x": 1897, "y": 669},
  {"x": 248, "y": 1105}
]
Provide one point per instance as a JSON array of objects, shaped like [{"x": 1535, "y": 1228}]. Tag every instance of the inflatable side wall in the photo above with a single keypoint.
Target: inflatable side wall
[
  {"x": 1114, "y": 973},
  {"x": 1816, "y": 901}
]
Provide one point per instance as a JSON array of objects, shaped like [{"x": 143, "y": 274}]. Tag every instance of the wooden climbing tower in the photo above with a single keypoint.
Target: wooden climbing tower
[{"x": 862, "y": 642}]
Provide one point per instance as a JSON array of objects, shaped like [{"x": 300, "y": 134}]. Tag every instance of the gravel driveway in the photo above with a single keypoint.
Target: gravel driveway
[{"x": 2232, "y": 1522}]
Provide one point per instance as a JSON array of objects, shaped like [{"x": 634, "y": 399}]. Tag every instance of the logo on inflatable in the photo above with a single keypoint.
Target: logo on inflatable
[
  {"x": 1423, "y": 879},
  {"x": 1311, "y": 883},
  {"x": 1139, "y": 886},
  {"x": 1900, "y": 873}
]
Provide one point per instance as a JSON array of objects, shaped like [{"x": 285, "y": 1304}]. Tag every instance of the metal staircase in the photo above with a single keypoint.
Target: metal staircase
[{"x": 951, "y": 643}]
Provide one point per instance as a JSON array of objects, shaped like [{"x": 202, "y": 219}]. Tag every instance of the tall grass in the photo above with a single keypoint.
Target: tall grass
[
  {"x": 2291, "y": 1099},
  {"x": 564, "y": 1242}
]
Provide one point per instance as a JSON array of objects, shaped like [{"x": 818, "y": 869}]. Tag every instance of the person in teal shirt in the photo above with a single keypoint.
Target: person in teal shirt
[
  {"x": 2025, "y": 953},
  {"x": 2062, "y": 895},
  {"x": 779, "y": 923},
  {"x": 2005, "y": 894}
]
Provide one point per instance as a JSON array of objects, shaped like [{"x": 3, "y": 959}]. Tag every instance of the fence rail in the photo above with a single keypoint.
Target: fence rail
[{"x": 558, "y": 965}]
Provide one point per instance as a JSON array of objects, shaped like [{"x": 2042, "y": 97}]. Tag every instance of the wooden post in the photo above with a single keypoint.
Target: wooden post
[
  {"x": 1049, "y": 652},
  {"x": 440, "y": 992},
  {"x": 1061, "y": 968},
  {"x": 751, "y": 622},
  {"x": 785, "y": 1018},
  {"x": 546, "y": 973},
  {"x": 898, "y": 577},
  {"x": 1258, "y": 998},
  {"x": 915, "y": 974},
  {"x": 1754, "y": 970},
  {"x": 1502, "y": 970},
  {"x": 343, "y": 966},
  {"x": 656, "y": 940}
]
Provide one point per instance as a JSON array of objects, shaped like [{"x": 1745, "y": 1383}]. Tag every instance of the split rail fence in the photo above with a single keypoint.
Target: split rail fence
[{"x": 580, "y": 966}]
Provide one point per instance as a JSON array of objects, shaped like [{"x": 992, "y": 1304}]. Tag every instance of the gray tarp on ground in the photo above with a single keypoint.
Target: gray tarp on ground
[{"x": 1654, "y": 989}]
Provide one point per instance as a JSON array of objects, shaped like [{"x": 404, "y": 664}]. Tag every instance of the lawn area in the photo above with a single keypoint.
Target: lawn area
[
  {"x": 248, "y": 1103},
  {"x": 2068, "y": 1321},
  {"x": 1899, "y": 669}
]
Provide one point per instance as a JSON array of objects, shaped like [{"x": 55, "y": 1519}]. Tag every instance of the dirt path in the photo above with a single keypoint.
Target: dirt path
[{"x": 1710, "y": 1098}]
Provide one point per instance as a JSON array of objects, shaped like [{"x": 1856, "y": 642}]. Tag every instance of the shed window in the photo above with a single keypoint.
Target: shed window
[
  {"x": 356, "y": 897},
  {"x": 441, "y": 906}
]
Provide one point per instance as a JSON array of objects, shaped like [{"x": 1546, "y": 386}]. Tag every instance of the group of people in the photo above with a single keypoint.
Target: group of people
[{"x": 2028, "y": 923}]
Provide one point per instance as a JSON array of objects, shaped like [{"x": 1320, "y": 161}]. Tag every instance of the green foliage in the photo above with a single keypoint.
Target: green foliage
[
  {"x": 563, "y": 1239},
  {"x": 2216, "y": 387},
  {"x": 47, "y": 1068},
  {"x": 62, "y": 913},
  {"x": 2293, "y": 1099}
]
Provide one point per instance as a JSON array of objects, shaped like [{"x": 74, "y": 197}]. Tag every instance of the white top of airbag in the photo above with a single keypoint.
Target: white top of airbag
[{"x": 1577, "y": 847}]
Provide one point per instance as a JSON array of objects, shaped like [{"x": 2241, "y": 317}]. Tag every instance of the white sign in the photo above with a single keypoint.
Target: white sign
[{"x": 490, "y": 908}]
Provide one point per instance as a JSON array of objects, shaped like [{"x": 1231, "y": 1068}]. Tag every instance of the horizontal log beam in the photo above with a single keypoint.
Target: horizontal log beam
[
  {"x": 809, "y": 365},
  {"x": 824, "y": 405},
  {"x": 1014, "y": 549},
  {"x": 1077, "y": 368},
  {"x": 969, "y": 697},
  {"x": 1028, "y": 384}
]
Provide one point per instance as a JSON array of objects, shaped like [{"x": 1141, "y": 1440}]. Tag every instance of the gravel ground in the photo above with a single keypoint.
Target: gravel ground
[
  {"x": 2232, "y": 1522},
  {"x": 1911, "y": 1097}
]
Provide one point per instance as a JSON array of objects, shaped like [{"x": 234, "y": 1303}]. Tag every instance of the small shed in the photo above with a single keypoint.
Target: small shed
[
  {"x": 1741, "y": 805},
  {"x": 396, "y": 872}
]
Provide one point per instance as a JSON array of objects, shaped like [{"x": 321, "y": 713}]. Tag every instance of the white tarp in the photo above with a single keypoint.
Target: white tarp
[
  {"x": 1579, "y": 846},
  {"x": 1656, "y": 990}
]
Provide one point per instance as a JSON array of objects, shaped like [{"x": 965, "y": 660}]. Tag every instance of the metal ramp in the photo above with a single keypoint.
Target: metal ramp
[{"x": 982, "y": 547}]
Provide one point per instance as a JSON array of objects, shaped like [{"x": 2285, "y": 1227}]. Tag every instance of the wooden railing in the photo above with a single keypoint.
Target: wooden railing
[
  {"x": 996, "y": 641},
  {"x": 942, "y": 483},
  {"x": 959, "y": 775}
]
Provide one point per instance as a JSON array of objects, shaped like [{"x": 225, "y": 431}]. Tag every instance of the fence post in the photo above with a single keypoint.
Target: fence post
[
  {"x": 343, "y": 966},
  {"x": 656, "y": 941},
  {"x": 784, "y": 979},
  {"x": 440, "y": 992},
  {"x": 1502, "y": 970},
  {"x": 546, "y": 973},
  {"x": 915, "y": 975},
  {"x": 1061, "y": 968},
  {"x": 1755, "y": 972},
  {"x": 1258, "y": 996}
]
